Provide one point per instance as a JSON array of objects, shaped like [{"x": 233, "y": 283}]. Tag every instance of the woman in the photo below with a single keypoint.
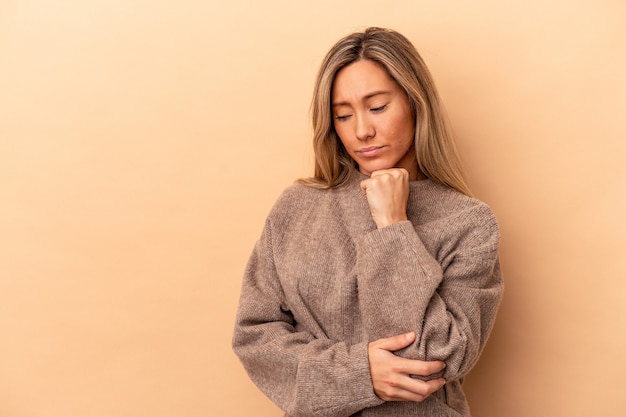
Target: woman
[{"x": 375, "y": 284}]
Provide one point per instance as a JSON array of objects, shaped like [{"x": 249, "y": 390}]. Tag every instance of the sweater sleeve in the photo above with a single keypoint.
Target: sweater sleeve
[
  {"x": 451, "y": 303},
  {"x": 302, "y": 374}
]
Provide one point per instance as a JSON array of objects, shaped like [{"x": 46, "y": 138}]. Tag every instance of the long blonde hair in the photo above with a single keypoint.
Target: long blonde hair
[{"x": 436, "y": 155}]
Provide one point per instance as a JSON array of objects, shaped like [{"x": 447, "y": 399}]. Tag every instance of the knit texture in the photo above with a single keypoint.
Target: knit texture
[{"x": 323, "y": 281}]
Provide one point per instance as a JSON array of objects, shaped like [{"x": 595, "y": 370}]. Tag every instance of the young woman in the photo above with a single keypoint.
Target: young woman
[{"x": 375, "y": 283}]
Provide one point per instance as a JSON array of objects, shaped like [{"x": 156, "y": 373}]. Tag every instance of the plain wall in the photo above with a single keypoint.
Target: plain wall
[{"x": 142, "y": 144}]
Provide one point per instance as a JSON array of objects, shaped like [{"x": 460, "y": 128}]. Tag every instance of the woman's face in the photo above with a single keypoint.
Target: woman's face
[{"x": 373, "y": 118}]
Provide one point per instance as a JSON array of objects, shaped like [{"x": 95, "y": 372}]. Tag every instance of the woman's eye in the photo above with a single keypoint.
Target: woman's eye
[
  {"x": 379, "y": 108},
  {"x": 342, "y": 117}
]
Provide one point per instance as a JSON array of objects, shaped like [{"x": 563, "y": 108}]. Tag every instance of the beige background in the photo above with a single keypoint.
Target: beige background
[{"x": 143, "y": 143}]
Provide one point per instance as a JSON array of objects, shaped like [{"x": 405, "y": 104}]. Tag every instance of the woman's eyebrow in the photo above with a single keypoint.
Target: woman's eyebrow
[{"x": 365, "y": 97}]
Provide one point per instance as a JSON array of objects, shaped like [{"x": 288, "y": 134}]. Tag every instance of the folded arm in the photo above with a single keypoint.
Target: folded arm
[
  {"x": 450, "y": 303},
  {"x": 303, "y": 375}
]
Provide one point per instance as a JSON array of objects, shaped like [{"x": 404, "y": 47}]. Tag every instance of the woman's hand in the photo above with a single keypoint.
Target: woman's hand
[
  {"x": 387, "y": 193},
  {"x": 391, "y": 374}
]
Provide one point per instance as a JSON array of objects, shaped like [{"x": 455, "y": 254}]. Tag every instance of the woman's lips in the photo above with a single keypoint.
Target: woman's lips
[{"x": 370, "y": 151}]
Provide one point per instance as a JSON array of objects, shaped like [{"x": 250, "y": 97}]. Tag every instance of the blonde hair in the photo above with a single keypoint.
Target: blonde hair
[{"x": 436, "y": 155}]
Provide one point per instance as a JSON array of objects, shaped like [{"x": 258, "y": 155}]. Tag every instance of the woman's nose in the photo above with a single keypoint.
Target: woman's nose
[{"x": 364, "y": 128}]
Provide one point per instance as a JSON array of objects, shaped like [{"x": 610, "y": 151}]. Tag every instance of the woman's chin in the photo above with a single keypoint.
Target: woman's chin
[{"x": 367, "y": 169}]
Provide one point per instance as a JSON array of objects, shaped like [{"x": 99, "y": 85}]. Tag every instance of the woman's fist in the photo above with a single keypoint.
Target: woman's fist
[{"x": 387, "y": 193}]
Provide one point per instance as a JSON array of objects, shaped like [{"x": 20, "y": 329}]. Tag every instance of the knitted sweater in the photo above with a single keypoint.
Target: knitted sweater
[{"x": 323, "y": 281}]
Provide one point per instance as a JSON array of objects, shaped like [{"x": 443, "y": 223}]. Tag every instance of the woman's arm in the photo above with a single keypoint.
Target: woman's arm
[
  {"x": 451, "y": 306},
  {"x": 303, "y": 375}
]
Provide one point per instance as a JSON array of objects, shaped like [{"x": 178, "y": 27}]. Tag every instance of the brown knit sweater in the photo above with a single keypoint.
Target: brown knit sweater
[{"x": 323, "y": 282}]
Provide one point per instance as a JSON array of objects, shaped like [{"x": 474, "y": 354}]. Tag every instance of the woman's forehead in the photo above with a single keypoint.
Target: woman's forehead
[{"x": 361, "y": 80}]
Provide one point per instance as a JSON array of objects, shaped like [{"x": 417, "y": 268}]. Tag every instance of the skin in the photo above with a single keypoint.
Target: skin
[{"x": 374, "y": 120}]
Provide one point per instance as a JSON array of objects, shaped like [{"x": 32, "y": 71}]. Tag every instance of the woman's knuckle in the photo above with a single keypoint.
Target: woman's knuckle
[{"x": 392, "y": 383}]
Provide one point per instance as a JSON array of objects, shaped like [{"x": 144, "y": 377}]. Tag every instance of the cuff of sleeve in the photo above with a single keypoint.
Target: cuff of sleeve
[
  {"x": 364, "y": 391},
  {"x": 351, "y": 390},
  {"x": 396, "y": 239}
]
